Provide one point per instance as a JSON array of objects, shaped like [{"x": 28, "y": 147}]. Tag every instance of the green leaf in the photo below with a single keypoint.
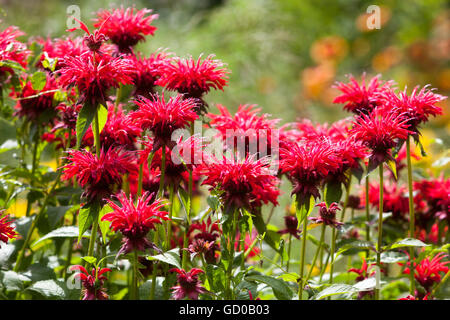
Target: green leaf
[
  {"x": 393, "y": 166},
  {"x": 393, "y": 257},
  {"x": 84, "y": 120},
  {"x": 86, "y": 216},
  {"x": 12, "y": 64},
  {"x": 38, "y": 272},
  {"x": 333, "y": 192},
  {"x": 213, "y": 202},
  {"x": 102, "y": 117},
  {"x": 334, "y": 289},
  {"x": 262, "y": 230},
  {"x": 304, "y": 210},
  {"x": 50, "y": 289},
  {"x": 104, "y": 225},
  {"x": 12, "y": 280},
  {"x": 89, "y": 259},
  {"x": 55, "y": 214},
  {"x": 63, "y": 232},
  {"x": 280, "y": 289},
  {"x": 38, "y": 80},
  {"x": 171, "y": 257},
  {"x": 408, "y": 242}
]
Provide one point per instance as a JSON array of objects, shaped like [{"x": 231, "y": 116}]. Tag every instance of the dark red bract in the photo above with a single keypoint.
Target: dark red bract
[
  {"x": 188, "y": 284},
  {"x": 92, "y": 283}
]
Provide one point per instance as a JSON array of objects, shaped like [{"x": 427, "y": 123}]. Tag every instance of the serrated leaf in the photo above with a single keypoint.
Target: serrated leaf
[
  {"x": 38, "y": 80},
  {"x": 84, "y": 120},
  {"x": 171, "y": 257},
  {"x": 89, "y": 259},
  {"x": 280, "y": 289},
  {"x": 334, "y": 289},
  {"x": 63, "y": 232},
  {"x": 50, "y": 289},
  {"x": 393, "y": 257},
  {"x": 408, "y": 242}
]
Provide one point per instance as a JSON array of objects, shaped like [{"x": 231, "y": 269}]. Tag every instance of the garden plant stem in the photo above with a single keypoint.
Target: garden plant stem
[
  {"x": 411, "y": 215},
  {"x": 380, "y": 227}
]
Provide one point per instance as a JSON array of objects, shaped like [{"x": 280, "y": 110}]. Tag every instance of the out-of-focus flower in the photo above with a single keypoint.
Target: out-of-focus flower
[
  {"x": 60, "y": 48},
  {"x": 417, "y": 107},
  {"x": 380, "y": 131},
  {"x": 200, "y": 247},
  {"x": 12, "y": 50},
  {"x": 427, "y": 272},
  {"x": 291, "y": 223},
  {"x": 327, "y": 215},
  {"x": 188, "y": 284},
  {"x": 194, "y": 78},
  {"x": 207, "y": 231},
  {"x": 36, "y": 105},
  {"x": 244, "y": 183},
  {"x": 362, "y": 98},
  {"x": 435, "y": 192},
  {"x": 134, "y": 221},
  {"x": 126, "y": 27},
  {"x": 98, "y": 176},
  {"x": 410, "y": 297},
  {"x": 163, "y": 118},
  {"x": 306, "y": 165},
  {"x": 6, "y": 230},
  {"x": 248, "y": 240},
  {"x": 363, "y": 273},
  {"x": 94, "y": 76},
  {"x": 331, "y": 48}
]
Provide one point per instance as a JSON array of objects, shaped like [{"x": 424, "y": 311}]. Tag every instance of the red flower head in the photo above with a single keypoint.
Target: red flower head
[
  {"x": 208, "y": 232},
  {"x": 6, "y": 231},
  {"x": 254, "y": 130},
  {"x": 410, "y": 297},
  {"x": 98, "y": 176},
  {"x": 359, "y": 98},
  {"x": 363, "y": 273},
  {"x": 135, "y": 221},
  {"x": 244, "y": 183},
  {"x": 395, "y": 199},
  {"x": 194, "y": 78},
  {"x": 427, "y": 271},
  {"x": 39, "y": 108},
  {"x": 327, "y": 216},
  {"x": 147, "y": 71},
  {"x": 93, "y": 41},
  {"x": 126, "y": 27},
  {"x": 60, "y": 48},
  {"x": 436, "y": 194},
  {"x": 12, "y": 50},
  {"x": 307, "y": 164},
  {"x": 338, "y": 131},
  {"x": 95, "y": 76},
  {"x": 417, "y": 107},
  {"x": 163, "y": 118},
  {"x": 380, "y": 131},
  {"x": 119, "y": 130},
  {"x": 188, "y": 284},
  {"x": 92, "y": 283},
  {"x": 291, "y": 223}
]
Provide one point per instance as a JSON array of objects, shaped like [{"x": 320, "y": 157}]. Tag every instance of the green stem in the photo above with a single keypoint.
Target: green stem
[
  {"x": 380, "y": 227},
  {"x": 135, "y": 276},
  {"x": 332, "y": 249},
  {"x": 169, "y": 222},
  {"x": 34, "y": 224},
  {"x": 303, "y": 252},
  {"x": 141, "y": 176},
  {"x": 367, "y": 214},
  {"x": 96, "y": 128},
  {"x": 322, "y": 236},
  {"x": 411, "y": 215},
  {"x": 155, "y": 265},
  {"x": 289, "y": 253},
  {"x": 93, "y": 237},
  {"x": 231, "y": 251},
  {"x": 33, "y": 167},
  {"x": 163, "y": 170}
]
